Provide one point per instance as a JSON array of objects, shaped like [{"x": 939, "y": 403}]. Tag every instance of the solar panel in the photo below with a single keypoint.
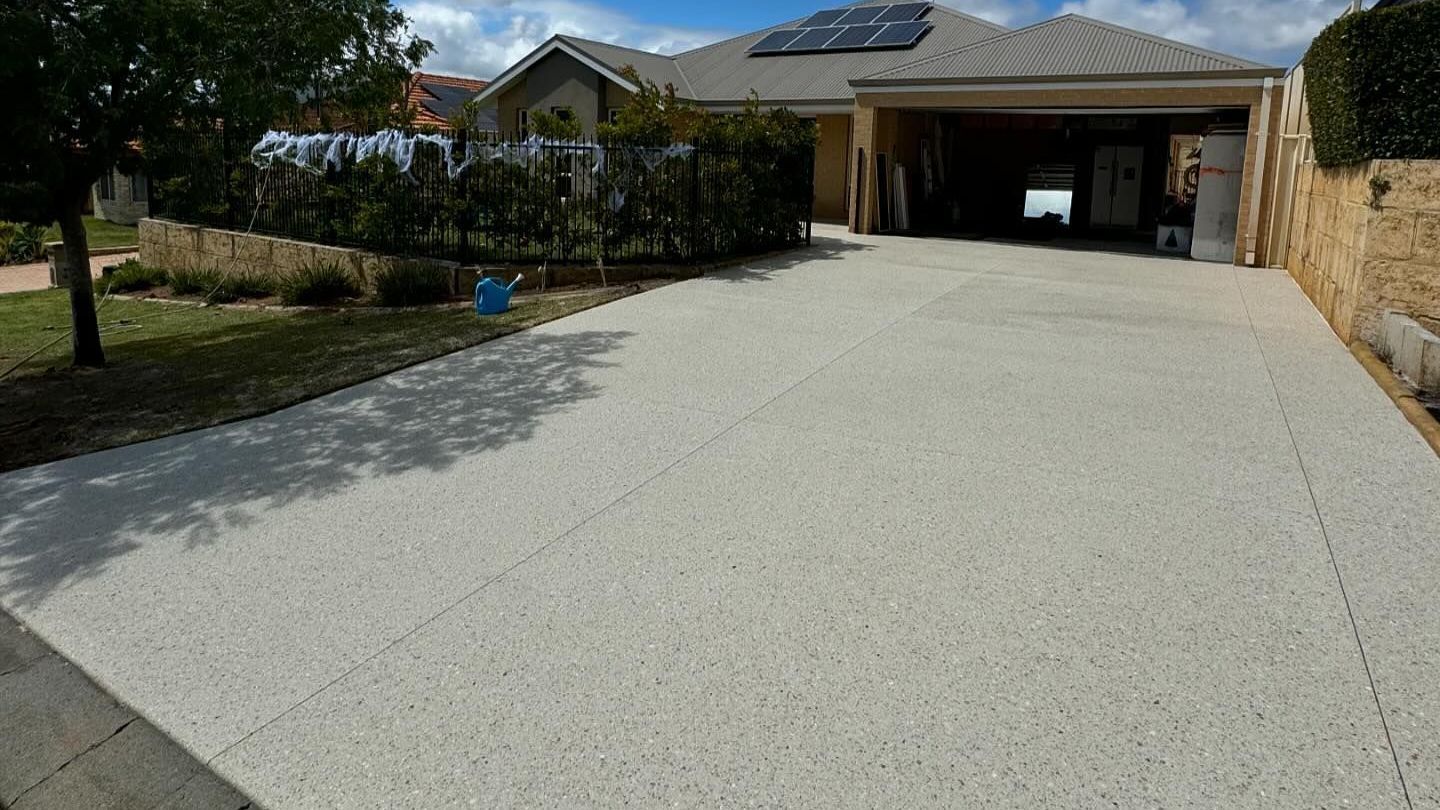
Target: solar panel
[
  {"x": 900, "y": 34},
  {"x": 864, "y": 27},
  {"x": 775, "y": 41},
  {"x": 862, "y": 15},
  {"x": 853, "y": 37},
  {"x": 903, "y": 12},
  {"x": 821, "y": 19},
  {"x": 813, "y": 39}
]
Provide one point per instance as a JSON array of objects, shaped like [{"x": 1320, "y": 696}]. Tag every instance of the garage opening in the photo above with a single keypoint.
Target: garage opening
[{"x": 1127, "y": 179}]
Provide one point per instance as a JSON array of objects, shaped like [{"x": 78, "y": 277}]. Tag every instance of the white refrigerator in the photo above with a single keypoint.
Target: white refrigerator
[{"x": 1217, "y": 198}]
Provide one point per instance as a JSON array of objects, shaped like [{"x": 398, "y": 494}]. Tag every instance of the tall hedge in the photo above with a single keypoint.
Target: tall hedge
[{"x": 1373, "y": 83}]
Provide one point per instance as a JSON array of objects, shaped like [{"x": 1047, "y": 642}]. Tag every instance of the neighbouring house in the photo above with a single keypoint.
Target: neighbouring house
[
  {"x": 436, "y": 100},
  {"x": 1071, "y": 126},
  {"x": 121, "y": 198}
]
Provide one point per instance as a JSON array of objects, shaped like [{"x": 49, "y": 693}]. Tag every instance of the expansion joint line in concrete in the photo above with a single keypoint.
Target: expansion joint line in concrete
[
  {"x": 597, "y": 513},
  {"x": 1329, "y": 547}
]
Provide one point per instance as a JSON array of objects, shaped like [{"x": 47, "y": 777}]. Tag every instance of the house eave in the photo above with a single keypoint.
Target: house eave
[{"x": 1229, "y": 78}]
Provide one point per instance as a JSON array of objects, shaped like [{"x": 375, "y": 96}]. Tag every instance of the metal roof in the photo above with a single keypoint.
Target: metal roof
[
  {"x": 653, "y": 66},
  {"x": 723, "y": 72},
  {"x": 959, "y": 49},
  {"x": 1068, "y": 47}
]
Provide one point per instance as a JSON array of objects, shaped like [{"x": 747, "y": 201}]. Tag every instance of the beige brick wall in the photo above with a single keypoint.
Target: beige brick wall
[
  {"x": 1355, "y": 260},
  {"x": 830, "y": 168},
  {"x": 876, "y": 128},
  {"x": 174, "y": 246}
]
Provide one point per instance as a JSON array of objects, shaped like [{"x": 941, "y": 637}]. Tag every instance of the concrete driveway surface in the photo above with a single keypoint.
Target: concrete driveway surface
[{"x": 889, "y": 522}]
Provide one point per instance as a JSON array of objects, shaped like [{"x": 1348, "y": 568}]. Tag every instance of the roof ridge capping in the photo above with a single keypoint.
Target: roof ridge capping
[{"x": 1236, "y": 62}]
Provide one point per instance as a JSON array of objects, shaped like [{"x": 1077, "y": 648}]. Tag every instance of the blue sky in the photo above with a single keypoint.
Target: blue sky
[{"x": 480, "y": 38}]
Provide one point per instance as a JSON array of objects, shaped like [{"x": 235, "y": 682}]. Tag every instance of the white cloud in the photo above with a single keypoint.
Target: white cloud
[
  {"x": 481, "y": 38},
  {"x": 1274, "y": 31},
  {"x": 1009, "y": 13}
]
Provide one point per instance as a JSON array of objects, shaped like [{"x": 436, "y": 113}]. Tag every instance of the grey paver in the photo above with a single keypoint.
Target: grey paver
[
  {"x": 49, "y": 714},
  {"x": 135, "y": 768},
  {"x": 895, "y": 522},
  {"x": 18, "y": 646}
]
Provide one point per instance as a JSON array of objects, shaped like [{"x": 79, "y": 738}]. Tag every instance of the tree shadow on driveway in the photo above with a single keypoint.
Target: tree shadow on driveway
[
  {"x": 64, "y": 523},
  {"x": 821, "y": 249}
]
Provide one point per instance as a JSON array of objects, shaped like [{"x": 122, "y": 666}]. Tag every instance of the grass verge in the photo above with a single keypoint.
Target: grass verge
[
  {"x": 101, "y": 234},
  {"x": 174, "y": 368}
]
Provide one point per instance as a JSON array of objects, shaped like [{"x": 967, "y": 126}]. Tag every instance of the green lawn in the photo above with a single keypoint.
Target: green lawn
[
  {"x": 177, "y": 367},
  {"x": 101, "y": 234}
]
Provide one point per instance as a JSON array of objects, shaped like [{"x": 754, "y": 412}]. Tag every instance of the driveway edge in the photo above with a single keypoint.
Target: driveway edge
[
  {"x": 66, "y": 742},
  {"x": 1400, "y": 394}
]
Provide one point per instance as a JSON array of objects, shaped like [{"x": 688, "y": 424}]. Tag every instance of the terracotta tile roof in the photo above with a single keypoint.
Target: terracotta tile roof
[{"x": 434, "y": 98}]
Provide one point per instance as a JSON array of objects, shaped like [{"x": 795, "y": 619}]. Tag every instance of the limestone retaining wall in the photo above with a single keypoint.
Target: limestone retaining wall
[
  {"x": 1358, "y": 250},
  {"x": 177, "y": 246}
]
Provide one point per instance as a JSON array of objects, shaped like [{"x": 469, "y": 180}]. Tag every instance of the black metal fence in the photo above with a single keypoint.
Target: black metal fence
[{"x": 516, "y": 201}]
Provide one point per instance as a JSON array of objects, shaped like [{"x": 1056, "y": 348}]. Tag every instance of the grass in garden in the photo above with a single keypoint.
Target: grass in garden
[
  {"x": 176, "y": 367},
  {"x": 101, "y": 234}
]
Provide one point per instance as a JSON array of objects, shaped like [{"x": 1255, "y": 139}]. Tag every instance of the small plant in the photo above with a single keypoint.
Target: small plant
[
  {"x": 319, "y": 284},
  {"x": 21, "y": 242},
  {"x": 194, "y": 281},
  {"x": 250, "y": 284},
  {"x": 132, "y": 276},
  {"x": 1379, "y": 187},
  {"x": 410, "y": 283}
]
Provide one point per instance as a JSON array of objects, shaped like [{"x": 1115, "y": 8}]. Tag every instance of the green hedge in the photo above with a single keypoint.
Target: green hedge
[{"x": 1370, "y": 81}]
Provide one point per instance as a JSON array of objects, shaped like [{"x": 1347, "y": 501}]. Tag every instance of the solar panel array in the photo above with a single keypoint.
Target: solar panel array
[{"x": 843, "y": 29}]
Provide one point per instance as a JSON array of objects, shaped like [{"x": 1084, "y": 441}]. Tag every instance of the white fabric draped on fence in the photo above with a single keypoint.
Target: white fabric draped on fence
[{"x": 314, "y": 152}]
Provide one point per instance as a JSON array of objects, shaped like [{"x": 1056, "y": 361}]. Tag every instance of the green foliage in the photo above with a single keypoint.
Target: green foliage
[
  {"x": 21, "y": 242},
  {"x": 319, "y": 284},
  {"x": 1369, "y": 80},
  {"x": 1379, "y": 187},
  {"x": 249, "y": 284},
  {"x": 194, "y": 281},
  {"x": 132, "y": 276},
  {"x": 554, "y": 127},
  {"x": 411, "y": 283}
]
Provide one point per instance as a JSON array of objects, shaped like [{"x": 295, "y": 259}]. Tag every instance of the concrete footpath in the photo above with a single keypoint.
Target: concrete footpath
[
  {"x": 889, "y": 522},
  {"x": 64, "y": 743}
]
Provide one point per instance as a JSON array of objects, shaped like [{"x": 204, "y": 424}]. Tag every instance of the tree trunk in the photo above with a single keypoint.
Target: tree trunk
[{"x": 86, "y": 334}]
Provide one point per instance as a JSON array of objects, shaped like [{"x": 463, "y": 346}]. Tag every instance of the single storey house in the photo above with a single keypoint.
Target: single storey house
[{"x": 932, "y": 120}]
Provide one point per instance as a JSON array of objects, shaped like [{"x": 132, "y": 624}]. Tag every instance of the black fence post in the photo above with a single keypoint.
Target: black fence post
[
  {"x": 461, "y": 201},
  {"x": 695, "y": 203},
  {"x": 225, "y": 170}
]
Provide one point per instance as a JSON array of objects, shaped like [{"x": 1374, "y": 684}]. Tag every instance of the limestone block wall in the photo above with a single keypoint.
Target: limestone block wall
[
  {"x": 1358, "y": 248},
  {"x": 177, "y": 246}
]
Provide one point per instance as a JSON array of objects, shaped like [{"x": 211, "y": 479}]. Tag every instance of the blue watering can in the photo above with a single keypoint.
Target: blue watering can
[{"x": 491, "y": 298}]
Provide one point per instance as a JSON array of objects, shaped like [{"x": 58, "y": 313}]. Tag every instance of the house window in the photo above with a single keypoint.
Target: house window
[
  {"x": 613, "y": 114},
  {"x": 139, "y": 186},
  {"x": 522, "y": 122},
  {"x": 107, "y": 186},
  {"x": 563, "y": 113}
]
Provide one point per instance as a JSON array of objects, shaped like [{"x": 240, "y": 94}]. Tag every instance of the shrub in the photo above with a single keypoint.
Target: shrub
[
  {"x": 318, "y": 284},
  {"x": 406, "y": 284},
  {"x": 194, "y": 281},
  {"x": 252, "y": 284},
  {"x": 1369, "y": 81},
  {"x": 21, "y": 242},
  {"x": 131, "y": 276}
]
